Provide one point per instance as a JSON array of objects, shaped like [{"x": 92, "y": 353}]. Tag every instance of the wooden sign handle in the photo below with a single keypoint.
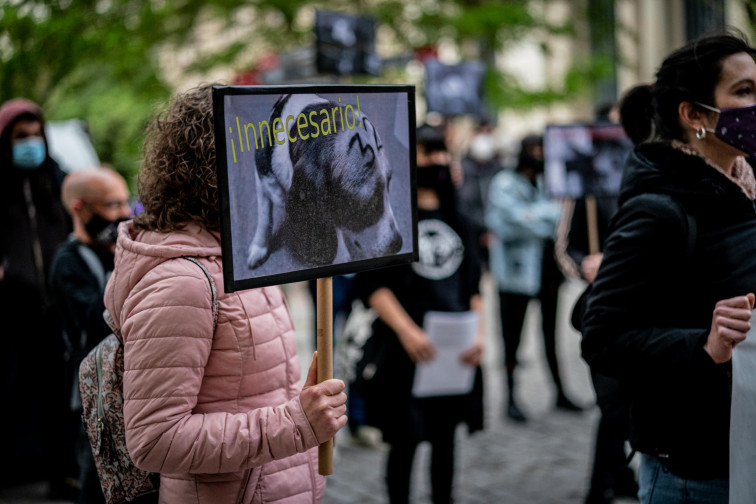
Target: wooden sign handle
[
  {"x": 590, "y": 212},
  {"x": 324, "y": 310}
]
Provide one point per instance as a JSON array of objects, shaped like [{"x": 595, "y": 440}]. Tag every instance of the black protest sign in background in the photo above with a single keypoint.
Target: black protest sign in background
[
  {"x": 345, "y": 44},
  {"x": 314, "y": 181},
  {"x": 454, "y": 89},
  {"x": 583, "y": 159}
]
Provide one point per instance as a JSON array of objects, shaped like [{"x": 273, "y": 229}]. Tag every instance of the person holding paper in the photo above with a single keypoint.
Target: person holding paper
[
  {"x": 674, "y": 292},
  {"x": 407, "y": 298},
  {"x": 215, "y": 406}
]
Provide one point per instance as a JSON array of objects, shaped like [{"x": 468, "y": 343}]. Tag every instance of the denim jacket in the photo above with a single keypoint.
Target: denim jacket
[{"x": 521, "y": 217}]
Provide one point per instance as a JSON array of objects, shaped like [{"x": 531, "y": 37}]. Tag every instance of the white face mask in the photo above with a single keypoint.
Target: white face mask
[{"x": 483, "y": 148}]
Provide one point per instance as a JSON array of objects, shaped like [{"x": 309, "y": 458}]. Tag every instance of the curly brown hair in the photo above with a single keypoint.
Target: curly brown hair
[{"x": 177, "y": 183}]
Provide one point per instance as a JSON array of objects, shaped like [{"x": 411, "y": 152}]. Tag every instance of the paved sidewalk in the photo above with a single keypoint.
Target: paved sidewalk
[{"x": 544, "y": 461}]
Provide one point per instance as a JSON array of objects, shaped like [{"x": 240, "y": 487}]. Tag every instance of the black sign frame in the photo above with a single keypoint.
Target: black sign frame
[{"x": 233, "y": 281}]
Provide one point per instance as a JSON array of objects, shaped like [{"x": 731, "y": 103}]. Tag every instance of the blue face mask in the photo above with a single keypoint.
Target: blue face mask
[{"x": 29, "y": 153}]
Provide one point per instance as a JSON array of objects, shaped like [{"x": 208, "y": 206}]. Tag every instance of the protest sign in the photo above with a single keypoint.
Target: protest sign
[
  {"x": 584, "y": 159},
  {"x": 742, "y": 413},
  {"x": 345, "y": 44},
  {"x": 454, "y": 89},
  {"x": 314, "y": 181}
]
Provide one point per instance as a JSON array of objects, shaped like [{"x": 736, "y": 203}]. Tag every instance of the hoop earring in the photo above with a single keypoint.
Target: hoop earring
[{"x": 701, "y": 133}]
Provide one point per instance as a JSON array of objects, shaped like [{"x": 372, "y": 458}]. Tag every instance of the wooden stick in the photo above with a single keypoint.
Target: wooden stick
[
  {"x": 590, "y": 213},
  {"x": 325, "y": 358}
]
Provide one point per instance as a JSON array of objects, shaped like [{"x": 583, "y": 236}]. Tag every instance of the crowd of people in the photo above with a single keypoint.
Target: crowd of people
[{"x": 214, "y": 400}]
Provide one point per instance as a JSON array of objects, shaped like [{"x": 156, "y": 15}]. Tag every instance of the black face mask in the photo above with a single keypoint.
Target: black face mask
[
  {"x": 101, "y": 230},
  {"x": 433, "y": 177}
]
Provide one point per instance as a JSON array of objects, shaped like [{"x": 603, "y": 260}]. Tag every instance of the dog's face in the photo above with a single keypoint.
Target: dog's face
[
  {"x": 362, "y": 179},
  {"x": 340, "y": 183}
]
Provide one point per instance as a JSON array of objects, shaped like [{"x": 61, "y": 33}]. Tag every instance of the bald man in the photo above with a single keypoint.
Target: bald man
[{"x": 98, "y": 200}]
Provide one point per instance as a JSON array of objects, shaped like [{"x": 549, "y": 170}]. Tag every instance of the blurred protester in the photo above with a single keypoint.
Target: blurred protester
[
  {"x": 673, "y": 295},
  {"x": 524, "y": 220},
  {"x": 344, "y": 295},
  {"x": 217, "y": 409},
  {"x": 611, "y": 475},
  {"x": 479, "y": 166},
  {"x": 33, "y": 223},
  {"x": 445, "y": 279},
  {"x": 97, "y": 201}
]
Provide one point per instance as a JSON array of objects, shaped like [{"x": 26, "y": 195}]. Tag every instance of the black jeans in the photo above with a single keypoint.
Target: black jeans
[
  {"x": 610, "y": 459},
  {"x": 440, "y": 434},
  {"x": 512, "y": 308}
]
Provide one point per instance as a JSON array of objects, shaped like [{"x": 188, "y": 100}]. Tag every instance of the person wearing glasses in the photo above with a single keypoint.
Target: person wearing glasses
[{"x": 97, "y": 200}]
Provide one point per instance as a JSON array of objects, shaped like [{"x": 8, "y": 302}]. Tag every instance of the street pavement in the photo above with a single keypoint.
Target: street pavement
[{"x": 543, "y": 461}]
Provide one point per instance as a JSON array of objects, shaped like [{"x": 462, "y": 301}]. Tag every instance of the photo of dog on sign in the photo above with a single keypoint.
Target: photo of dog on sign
[{"x": 317, "y": 183}]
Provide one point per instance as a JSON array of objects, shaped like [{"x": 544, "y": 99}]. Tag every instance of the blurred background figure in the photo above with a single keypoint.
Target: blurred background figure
[
  {"x": 97, "y": 201},
  {"x": 611, "y": 475},
  {"x": 445, "y": 279},
  {"x": 33, "y": 223},
  {"x": 523, "y": 221},
  {"x": 479, "y": 165}
]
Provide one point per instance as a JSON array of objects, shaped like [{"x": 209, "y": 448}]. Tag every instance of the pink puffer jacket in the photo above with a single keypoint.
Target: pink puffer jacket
[{"x": 218, "y": 416}]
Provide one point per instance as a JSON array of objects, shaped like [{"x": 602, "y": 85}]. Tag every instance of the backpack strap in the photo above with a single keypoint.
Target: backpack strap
[{"x": 213, "y": 291}]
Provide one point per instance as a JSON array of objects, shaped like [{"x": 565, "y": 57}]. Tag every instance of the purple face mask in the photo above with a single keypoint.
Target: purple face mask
[{"x": 736, "y": 126}]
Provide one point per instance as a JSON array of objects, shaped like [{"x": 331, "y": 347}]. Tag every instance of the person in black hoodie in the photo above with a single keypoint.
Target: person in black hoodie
[
  {"x": 673, "y": 294},
  {"x": 97, "y": 201},
  {"x": 33, "y": 223}
]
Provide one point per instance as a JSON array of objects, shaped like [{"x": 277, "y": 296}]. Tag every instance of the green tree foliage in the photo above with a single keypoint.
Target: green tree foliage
[
  {"x": 98, "y": 59},
  {"x": 95, "y": 60}
]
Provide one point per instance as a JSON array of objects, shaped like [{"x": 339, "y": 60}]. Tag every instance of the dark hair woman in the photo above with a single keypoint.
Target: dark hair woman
[{"x": 673, "y": 294}]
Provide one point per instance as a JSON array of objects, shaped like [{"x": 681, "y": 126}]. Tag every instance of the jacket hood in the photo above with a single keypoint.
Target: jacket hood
[
  {"x": 660, "y": 168},
  {"x": 11, "y": 109},
  {"x": 139, "y": 252}
]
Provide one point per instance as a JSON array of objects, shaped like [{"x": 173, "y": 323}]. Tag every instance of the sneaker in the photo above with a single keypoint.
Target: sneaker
[
  {"x": 515, "y": 413},
  {"x": 563, "y": 403},
  {"x": 367, "y": 437}
]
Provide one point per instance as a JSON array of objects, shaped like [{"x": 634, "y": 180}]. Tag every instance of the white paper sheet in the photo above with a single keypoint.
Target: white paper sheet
[
  {"x": 451, "y": 334},
  {"x": 743, "y": 415}
]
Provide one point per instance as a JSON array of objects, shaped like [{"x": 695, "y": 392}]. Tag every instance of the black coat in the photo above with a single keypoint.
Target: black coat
[
  {"x": 650, "y": 309},
  {"x": 79, "y": 295}
]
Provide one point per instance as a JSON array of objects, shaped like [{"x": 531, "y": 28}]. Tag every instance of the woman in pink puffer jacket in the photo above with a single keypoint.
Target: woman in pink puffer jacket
[{"x": 220, "y": 415}]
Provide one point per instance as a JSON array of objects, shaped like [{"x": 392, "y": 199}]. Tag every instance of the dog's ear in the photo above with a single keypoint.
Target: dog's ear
[{"x": 310, "y": 231}]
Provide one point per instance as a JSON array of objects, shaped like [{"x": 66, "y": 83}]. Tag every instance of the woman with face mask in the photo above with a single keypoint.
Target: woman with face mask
[
  {"x": 33, "y": 223},
  {"x": 674, "y": 292}
]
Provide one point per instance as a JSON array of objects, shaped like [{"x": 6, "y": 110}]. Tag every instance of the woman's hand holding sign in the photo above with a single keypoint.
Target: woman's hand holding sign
[
  {"x": 324, "y": 403},
  {"x": 729, "y": 326}
]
